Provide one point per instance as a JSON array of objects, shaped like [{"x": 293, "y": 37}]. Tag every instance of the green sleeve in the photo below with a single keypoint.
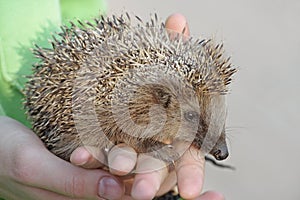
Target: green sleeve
[{"x": 22, "y": 24}]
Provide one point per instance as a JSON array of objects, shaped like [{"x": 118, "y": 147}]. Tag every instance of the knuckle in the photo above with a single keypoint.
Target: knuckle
[{"x": 75, "y": 187}]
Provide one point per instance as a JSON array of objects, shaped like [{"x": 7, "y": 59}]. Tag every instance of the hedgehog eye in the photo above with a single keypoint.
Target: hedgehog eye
[{"x": 191, "y": 116}]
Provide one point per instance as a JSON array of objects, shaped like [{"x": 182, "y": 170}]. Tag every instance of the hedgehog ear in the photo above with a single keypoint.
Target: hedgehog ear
[{"x": 162, "y": 96}]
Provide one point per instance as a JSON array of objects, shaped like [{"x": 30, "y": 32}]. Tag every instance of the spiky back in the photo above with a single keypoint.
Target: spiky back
[{"x": 95, "y": 55}]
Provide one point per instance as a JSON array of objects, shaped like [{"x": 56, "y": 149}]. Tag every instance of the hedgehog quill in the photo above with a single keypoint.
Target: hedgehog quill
[{"x": 112, "y": 81}]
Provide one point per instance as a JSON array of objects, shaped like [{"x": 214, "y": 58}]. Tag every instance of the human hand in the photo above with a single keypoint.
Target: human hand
[
  {"x": 29, "y": 171},
  {"x": 122, "y": 159},
  {"x": 188, "y": 173}
]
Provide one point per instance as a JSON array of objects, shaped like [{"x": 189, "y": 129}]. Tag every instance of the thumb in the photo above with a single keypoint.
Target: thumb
[
  {"x": 72, "y": 181},
  {"x": 33, "y": 165},
  {"x": 178, "y": 23}
]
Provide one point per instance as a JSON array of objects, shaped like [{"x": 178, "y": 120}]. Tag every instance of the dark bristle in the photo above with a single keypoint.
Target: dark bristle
[
  {"x": 73, "y": 25},
  {"x": 138, "y": 18},
  {"x": 201, "y": 42},
  {"x": 183, "y": 30},
  {"x": 155, "y": 17},
  {"x": 55, "y": 39},
  {"x": 90, "y": 24},
  {"x": 82, "y": 24},
  {"x": 128, "y": 16}
]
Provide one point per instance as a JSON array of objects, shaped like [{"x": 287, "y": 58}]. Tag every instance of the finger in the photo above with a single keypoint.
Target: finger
[
  {"x": 121, "y": 159},
  {"x": 88, "y": 157},
  {"x": 210, "y": 195},
  {"x": 168, "y": 184},
  {"x": 151, "y": 174},
  {"x": 26, "y": 192},
  {"x": 63, "y": 177},
  {"x": 178, "y": 23},
  {"x": 190, "y": 173}
]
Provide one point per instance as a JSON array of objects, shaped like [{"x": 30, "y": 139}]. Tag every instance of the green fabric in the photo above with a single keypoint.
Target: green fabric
[
  {"x": 81, "y": 9},
  {"x": 22, "y": 24}
]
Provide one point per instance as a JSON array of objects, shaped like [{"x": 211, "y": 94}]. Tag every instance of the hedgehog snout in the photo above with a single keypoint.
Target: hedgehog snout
[{"x": 220, "y": 150}]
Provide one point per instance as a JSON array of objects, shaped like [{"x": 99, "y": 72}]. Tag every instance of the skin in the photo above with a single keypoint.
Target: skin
[{"x": 29, "y": 171}]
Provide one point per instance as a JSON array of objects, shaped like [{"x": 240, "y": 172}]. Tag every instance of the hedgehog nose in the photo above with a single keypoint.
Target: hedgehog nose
[{"x": 221, "y": 153}]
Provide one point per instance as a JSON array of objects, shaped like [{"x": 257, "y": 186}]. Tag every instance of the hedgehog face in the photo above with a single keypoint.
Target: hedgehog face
[
  {"x": 189, "y": 117},
  {"x": 210, "y": 135},
  {"x": 199, "y": 118}
]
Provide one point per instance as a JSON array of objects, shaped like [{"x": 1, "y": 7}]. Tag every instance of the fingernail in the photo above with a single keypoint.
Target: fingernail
[
  {"x": 121, "y": 164},
  {"x": 109, "y": 188},
  {"x": 81, "y": 163},
  {"x": 79, "y": 157}
]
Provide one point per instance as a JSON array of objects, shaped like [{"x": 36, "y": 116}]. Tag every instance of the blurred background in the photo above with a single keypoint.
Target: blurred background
[{"x": 263, "y": 39}]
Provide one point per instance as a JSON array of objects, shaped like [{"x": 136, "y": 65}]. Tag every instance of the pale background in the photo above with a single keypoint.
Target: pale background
[{"x": 263, "y": 38}]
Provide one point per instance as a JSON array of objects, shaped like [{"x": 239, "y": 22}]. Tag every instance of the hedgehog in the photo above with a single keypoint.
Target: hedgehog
[{"x": 121, "y": 80}]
